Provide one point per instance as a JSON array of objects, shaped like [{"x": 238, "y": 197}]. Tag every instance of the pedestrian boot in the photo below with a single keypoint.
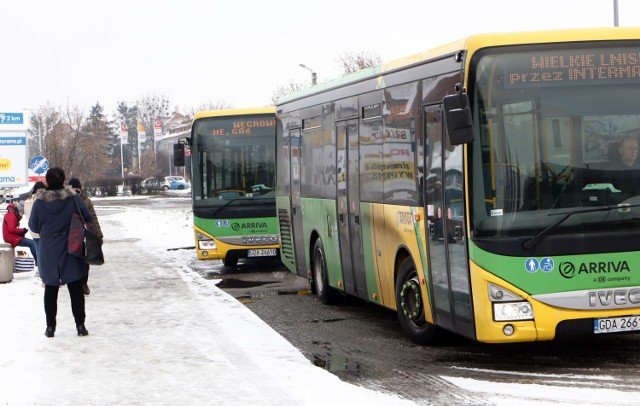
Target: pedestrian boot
[
  {"x": 82, "y": 331},
  {"x": 50, "y": 331}
]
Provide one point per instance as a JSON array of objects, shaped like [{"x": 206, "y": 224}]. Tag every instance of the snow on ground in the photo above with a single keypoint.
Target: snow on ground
[
  {"x": 162, "y": 334},
  {"x": 159, "y": 334}
]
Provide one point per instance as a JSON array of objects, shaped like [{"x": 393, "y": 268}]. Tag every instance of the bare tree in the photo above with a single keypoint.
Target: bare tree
[
  {"x": 210, "y": 105},
  {"x": 352, "y": 61},
  {"x": 148, "y": 165},
  {"x": 286, "y": 89},
  {"x": 42, "y": 123}
]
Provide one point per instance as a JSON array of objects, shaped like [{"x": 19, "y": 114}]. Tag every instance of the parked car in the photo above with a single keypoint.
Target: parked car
[
  {"x": 175, "y": 183},
  {"x": 151, "y": 185}
]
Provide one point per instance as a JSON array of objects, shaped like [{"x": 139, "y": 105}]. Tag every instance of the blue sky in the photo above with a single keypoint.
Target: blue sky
[{"x": 78, "y": 52}]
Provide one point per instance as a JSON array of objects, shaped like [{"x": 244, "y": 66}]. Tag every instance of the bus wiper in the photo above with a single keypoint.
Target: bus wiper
[
  {"x": 219, "y": 209},
  {"x": 531, "y": 243}
]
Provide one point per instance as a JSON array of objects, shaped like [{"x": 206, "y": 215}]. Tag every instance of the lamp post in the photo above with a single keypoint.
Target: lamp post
[
  {"x": 314, "y": 77},
  {"x": 616, "y": 21}
]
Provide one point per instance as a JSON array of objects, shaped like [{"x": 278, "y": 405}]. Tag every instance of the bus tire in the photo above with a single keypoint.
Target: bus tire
[
  {"x": 411, "y": 305},
  {"x": 229, "y": 261},
  {"x": 326, "y": 294}
]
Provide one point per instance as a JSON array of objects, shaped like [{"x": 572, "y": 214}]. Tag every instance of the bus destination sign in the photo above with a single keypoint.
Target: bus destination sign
[
  {"x": 567, "y": 68},
  {"x": 242, "y": 127}
]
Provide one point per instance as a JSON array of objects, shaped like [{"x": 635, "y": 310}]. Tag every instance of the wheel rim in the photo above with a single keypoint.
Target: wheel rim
[
  {"x": 411, "y": 301},
  {"x": 317, "y": 272}
]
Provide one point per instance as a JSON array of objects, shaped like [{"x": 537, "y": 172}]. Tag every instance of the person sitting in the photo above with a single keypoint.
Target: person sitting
[
  {"x": 13, "y": 234},
  {"x": 627, "y": 154}
]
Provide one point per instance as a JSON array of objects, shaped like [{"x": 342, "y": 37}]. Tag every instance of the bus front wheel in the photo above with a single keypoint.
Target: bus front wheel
[
  {"x": 320, "y": 278},
  {"x": 411, "y": 305},
  {"x": 229, "y": 261}
]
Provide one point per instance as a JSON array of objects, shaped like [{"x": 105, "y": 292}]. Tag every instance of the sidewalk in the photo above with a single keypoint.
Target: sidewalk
[{"x": 158, "y": 334}]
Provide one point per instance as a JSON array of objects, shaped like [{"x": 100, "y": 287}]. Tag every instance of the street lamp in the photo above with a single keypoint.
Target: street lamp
[{"x": 314, "y": 77}]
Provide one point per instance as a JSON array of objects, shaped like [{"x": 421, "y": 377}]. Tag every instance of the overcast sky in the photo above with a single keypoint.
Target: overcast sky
[{"x": 191, "y": 51}]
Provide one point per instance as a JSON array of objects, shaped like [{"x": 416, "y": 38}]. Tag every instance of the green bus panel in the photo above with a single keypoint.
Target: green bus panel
[
  {"x": 238, "y": 227},
  {"x": 320, "y": 216},
  {"x": 562, "y": 273}
]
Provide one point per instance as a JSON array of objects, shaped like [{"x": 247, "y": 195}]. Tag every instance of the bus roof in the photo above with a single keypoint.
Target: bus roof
[
  {"x": 235, "y": 112},
  {"x": 472, "y": 44}
]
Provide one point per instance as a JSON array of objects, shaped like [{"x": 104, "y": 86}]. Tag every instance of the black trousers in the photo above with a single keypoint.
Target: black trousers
[{"x": 77, "y": 302}]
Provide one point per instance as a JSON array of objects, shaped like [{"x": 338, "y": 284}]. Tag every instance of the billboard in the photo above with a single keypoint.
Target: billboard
[{"x": 13, "y": 149}]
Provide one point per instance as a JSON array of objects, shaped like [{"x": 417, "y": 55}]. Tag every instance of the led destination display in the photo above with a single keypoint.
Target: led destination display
[{"x": 566, "y": 68}]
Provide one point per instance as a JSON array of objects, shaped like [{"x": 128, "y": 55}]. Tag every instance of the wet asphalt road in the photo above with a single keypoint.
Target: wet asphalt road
[{"x": 364, "y": 344}]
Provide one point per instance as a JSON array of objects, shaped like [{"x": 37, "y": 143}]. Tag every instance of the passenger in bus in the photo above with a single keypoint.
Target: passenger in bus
[{"x": 627, "y": 154}]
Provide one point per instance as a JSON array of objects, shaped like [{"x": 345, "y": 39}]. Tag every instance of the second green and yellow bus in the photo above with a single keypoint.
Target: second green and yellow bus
[
  {"x": 233, "y": 177},
  {"x": 474, "y": 187}
]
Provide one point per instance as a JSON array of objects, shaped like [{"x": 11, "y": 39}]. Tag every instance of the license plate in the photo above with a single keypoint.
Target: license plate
[
  {"x": 616, "y": 324},
  {"x": 268, "y": 252}
]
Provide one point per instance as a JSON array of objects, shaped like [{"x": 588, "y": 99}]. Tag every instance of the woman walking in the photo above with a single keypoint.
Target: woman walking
[{"x": 51, "y": 217}]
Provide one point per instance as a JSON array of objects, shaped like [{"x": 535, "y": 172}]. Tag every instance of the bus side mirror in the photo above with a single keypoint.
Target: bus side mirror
[
  {"x": 178, "y": 154},
  {"x": 458, "y": 116}
]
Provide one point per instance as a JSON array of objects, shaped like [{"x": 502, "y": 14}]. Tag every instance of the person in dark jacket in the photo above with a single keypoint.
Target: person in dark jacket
[
  {"x": 13, "y": 234},
  {"x": 51, "y": 217},
  {"x": 77, "y": 186}
]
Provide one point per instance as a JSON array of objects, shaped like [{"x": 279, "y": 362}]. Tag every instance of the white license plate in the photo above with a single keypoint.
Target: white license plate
[
  {"x": 616, "y": 324},
  {"x": 268, "y": 252}
]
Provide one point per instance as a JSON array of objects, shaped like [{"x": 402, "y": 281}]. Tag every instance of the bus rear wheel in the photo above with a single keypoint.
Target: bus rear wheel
[
  {"x": 325, "y": 293},
  {"x": 411, "y": 305}
]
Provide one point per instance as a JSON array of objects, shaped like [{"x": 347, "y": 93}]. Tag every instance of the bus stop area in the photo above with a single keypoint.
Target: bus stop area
[{"x": 159, "y": 333}]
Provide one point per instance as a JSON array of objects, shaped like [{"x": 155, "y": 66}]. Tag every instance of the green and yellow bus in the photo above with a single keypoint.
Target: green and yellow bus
[
  {"x": 473, "y": 188},
  {"x": 233, "y": 178}
]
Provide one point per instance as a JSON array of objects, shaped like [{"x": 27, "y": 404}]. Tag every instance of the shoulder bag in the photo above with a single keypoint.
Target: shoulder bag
[{"x": 83, "y": 241}]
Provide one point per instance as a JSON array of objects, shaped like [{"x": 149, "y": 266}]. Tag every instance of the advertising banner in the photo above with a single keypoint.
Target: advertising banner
[{"x": 13, "y": 150}]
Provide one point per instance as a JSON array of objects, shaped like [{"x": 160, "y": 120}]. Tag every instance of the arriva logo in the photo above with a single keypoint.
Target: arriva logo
[
  {"x": 242, "y": 226},
  {"x": 5, "y": 164},
  {"x": 569, "y": 270},
  {"x": 612, "y": 298}
]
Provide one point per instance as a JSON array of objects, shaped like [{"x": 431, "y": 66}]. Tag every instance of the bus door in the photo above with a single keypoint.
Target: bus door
[
  {"x": 296, "y": 206},
  {"x": 348, "y": 201},
  {"x": 444, "y": 205}
]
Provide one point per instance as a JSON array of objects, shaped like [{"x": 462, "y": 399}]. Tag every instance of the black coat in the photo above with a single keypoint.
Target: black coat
[{"x": 50, "y": 217}]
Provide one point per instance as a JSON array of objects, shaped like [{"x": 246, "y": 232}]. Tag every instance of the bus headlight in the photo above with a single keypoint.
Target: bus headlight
[
  {"x": 509, "y": 311},
  {"x": 508, "y": 306},
  {"x": 205, "y": 242},
  {"x": 207, "y": 245}
]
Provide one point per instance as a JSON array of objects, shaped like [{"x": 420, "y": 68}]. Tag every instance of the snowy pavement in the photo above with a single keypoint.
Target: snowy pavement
[
  {"x": 161, "y": 334},
  {"x": 158, "y": 334}
]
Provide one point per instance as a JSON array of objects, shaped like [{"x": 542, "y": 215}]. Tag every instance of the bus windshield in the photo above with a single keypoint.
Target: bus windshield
[
  {"x": 558, "y": 128},
  {"x": 233, "y": 160}
]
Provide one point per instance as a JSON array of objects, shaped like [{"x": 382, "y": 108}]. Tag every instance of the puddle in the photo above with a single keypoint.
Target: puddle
[
  {"x": 258, "y": 295},
  {"x": 233, "y": 283},
  {"x": 340, "y": 363}
]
